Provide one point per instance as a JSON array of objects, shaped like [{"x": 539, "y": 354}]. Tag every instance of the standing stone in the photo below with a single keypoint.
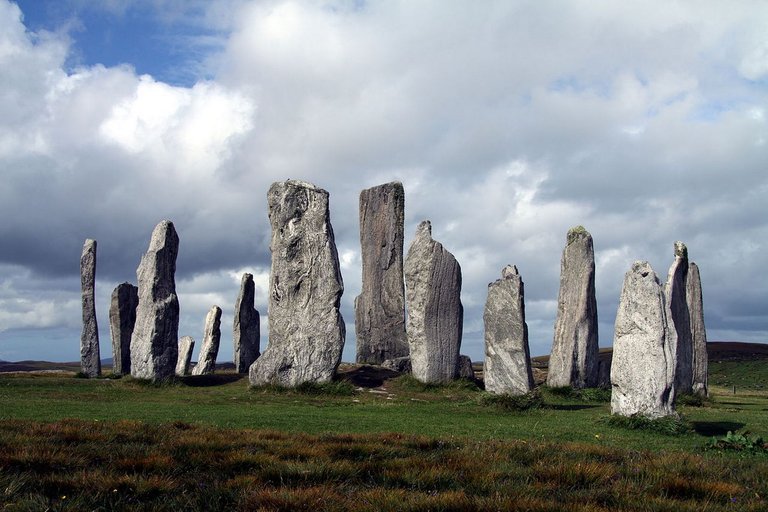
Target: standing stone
[
  {"x": 206, "y": 362},
  {"x": 246, "y": 331},
  {"x": 380, "y": 307},
  {"x": 90, "y": 359},
  {"x": 435, "y": 313},
  {"x": 154, "y": 344},
  {"x": 507, "y": 365},
  {"x": 698, "y": 331},
  {"x": 186, "y": 346},
  {"x": 573, "y": 361},
  {"x": 464, "y": 368},
  {"x": 679, "y": 320},
  {"x": 306, "y": 329},
  {"x": 122, "y": 318},
  {"x": 643, "y": 366}
]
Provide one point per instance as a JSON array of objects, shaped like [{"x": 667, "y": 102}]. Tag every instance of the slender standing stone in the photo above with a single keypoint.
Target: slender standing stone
[
  {"x": 306, "y": 329},
  {"x": 246, "y": 330},
  {"x": 507, "y": 365},
  {"x": 698, "y": 331},
  {"x": 206, "y": 363},
  {"x": 380, "y": 307},
  {"x": 154, "y": 343},
  {"x": 122, "y": 318},
  {"x": 573, "y": 361},
  {"x": 186, "y": 346},
  {"x": 643, "y": 366},
  {"x": 679, "y": 320},
  {"x": 90, "y": 359},
  {"x": 435, "y": 313}
]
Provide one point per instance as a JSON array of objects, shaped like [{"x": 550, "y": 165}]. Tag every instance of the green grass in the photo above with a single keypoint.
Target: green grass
[{"x": 745, "y": 375}]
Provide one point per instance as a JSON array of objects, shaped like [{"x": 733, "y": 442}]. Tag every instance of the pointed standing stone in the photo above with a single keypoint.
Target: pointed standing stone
[
  {"x": 206, "y": 362},
  {"x": 573, "y": 361},
  {"x": 679, "y": 319},
  {"x": 186, "y": 346},
  {"x": 154, "y": 344},
  {"x": 435, "y": 313},
  {"x": 380, "y": 307},
  {"x": 90, "y": 360},
  {"x": 306, "y": 329},
  {"x": 698, "y": 331},
  {"x": 643, "y": 366},
  {"x": 122, "y": 318},
  {"x": 246, "y": 330},
  {"x": 507, "y": 365}
]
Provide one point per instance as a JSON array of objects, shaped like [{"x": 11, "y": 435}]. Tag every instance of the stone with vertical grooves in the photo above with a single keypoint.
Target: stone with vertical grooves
[
  {"x": 573, "y": 361},
  {"x": 380, "y": 307},
  {"x": 435, "y": 313},
  {"x": 186, "y": 346},
  {"x": 90, "y": 359},
  {"x": 700, "y": 361},
  {"x": 206, "y": 362},
  {"x": 306, "y": 329},
  {"x": 246, "y": 331},
  {"x": 122, "y": 318},
  {"x": 679, "y": 320}
]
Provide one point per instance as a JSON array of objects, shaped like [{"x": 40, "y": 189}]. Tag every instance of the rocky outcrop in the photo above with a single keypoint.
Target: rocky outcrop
[
  {"x": 678, "y": 318},
  {"x": 573, "y": 361},
  {"x": 206, "y": 362},
  {"x": 435, "y": 313},
  {"x": 507, "y": 365},
  {"x": 380, "y": 307},
  {"x": 246, "y": 331},
  {"x": 122, "y": 318},
  {"x": 700, "y": 361},
  {"x": 154, "y": 343},
  {"x": 643, "y": 366},
  {"x": 398, "y": 364},
  {"x": 306, "y": 329},
  {"x": 90, "y": 359},
  {"x": 186, "y": 346}
]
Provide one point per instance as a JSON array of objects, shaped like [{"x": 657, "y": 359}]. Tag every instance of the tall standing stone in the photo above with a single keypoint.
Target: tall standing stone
[
  {"x": 186, "y": 346},
  {"x": 90, "y": 360},
  {"x": 154, "y": 343},
  {"x": 643, "y": 366},
  {"x": 206, "y": 362},
  {"x": 435, "y": 313},
  {"x": 573, "y": 361},
  {"x": 380, "y": 307},
  {"x": 679, "y": 319},
  {"x": 507, "y": 365},
  {"x": 306, "y": 329},
  {"x": 698, "y": 331},
  {"x": 246, "y": 331},
  {"x": 122, "y": 318}
]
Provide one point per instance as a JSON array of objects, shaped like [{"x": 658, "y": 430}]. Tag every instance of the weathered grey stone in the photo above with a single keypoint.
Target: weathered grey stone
[
  {"x": 246, "y": 330},
  {"x": 464, "y": 369},
  {"x": 435, "y": 313},
  {"x": 122, "y": 318},
  {"x": 306, "y": 329},
  {"x": 90, "y": 359},
  {"x": 206, "y": 362},
  {"x": 573, "y": 361},
  {"x": 700, "y": 361},
  {"x": 380, "y": 307},
  {"x": 604, "y": 372},
  {"x": 643, "y": 367},
  {"x": 154, "y": 343},
  {"x": 398, "y": 364},
  {"x": 186, "y": 346},
  {"x": 507, "y": 364},
  {"x": 679, "y": 321}
]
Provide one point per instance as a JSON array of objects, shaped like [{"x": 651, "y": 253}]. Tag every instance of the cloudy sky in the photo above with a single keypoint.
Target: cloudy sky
[{"x": 507, "y": 122}]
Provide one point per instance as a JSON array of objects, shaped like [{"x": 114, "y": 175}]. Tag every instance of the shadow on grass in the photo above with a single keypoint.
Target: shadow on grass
[
  {"x": 205, "y": 381},
  {"x": 715, "y": 428},
  {"x": 367, "y": 376},
  {"x": 570, "y": 407}
]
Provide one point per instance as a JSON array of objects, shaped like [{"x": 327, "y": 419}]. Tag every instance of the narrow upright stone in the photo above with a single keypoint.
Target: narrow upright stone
[
  {"x": 573, "y": 361},
  {"x": 206, "y": 362},
  {"x": 679, "y": 320},
  {"x": 246, "y": 331},
  {"x": 643, "y": 366},
  {"x": 90, "y": 359},
  {"x": 306, "y": 329},
  {"x": 186, "y": 346},
  {"x": 698, "y": 331},
  {"x": 122, "y": 318},
  {"x": 380, "y": 307},
  {"x": 464, "y": 369},
  {"x": 435, "y": 313},
  {"x": 507, "y": 365},
  {"x": 154, "y": 343}
]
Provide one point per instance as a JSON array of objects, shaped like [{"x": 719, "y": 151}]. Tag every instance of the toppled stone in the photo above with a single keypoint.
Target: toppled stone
[
  {"x": 700, "y": 361},
  {"x": 90, "y": 359},
  {"x": 465, "y": 370},
  {"x": 435, "y": 313},
  {"x": 643, "y": 367},
  {"x": 380, "y": 307},
  {"x": 573, "y": 361},
  {"x": 398, "y": 364},
  {"x": 679, "y": 320},
  {"x": 246, "y": 331},
  {"x": 306, "y": 329},
  {"x": 154, "y": 343},
  {"x": 206, "y": 362},
  {"x": 122, "y": 318},
  {"x": 186, "y": 346},
  {"x": 507, "y": 364}
]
